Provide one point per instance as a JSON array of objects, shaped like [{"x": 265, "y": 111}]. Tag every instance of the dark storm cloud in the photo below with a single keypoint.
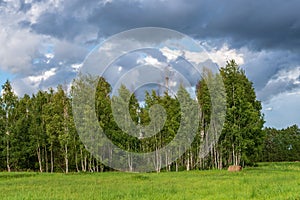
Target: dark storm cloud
[
  {"x": 121, "y": 15},
  {"x": 25, "y": 6},
  {"x": 256, "y": 24},
  {"x": 2, "y": 3},
  {"x": 265, "y": 33},
  {"x": 270, "y": 30},
  {"x": 262, "y": 66},
  {"x": 58, "y": 26}
]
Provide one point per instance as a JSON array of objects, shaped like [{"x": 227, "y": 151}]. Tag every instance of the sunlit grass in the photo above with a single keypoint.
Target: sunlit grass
[{"x": 267, "y": 181}]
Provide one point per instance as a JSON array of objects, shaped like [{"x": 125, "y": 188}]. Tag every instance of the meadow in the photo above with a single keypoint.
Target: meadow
[{"x": 267, "y": 181}]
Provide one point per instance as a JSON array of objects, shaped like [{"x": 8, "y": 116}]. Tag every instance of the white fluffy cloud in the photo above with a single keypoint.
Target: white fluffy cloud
[
  {"x": 18, "y": 48},
  {"x": 35, "y": 59},
  {"x": 36, "y": 80},
  {"x": 285, "y": 75},
  {"x": 219, "y": 56},
  {"x": 31, "y": 84},
  {"x": 171, "y": 55},
  {"x": 149, "y": 60},
  {"x": 284, "y": 81}
]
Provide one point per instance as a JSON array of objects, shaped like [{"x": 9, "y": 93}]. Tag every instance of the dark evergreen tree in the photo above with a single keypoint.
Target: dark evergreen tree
[{"x": 242, "y": 133}]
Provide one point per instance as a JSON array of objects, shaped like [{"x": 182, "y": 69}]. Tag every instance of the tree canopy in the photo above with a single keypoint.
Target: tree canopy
[{"x": 38, "y": 132}]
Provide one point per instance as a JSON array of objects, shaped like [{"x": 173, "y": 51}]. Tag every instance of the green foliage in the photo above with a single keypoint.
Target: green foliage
[
  {"x": 242, "y": 137},
  {"x": 242, "y": 131},
  {"x": 281, "y": 145},
  {"x": 38, "y": 132},
  {"x": 8, "y": 104}
]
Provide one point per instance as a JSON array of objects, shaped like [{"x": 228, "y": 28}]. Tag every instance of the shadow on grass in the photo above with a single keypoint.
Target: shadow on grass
[
  {"x": 141, "y": 177},
  {"x": 13, "y": 175}
]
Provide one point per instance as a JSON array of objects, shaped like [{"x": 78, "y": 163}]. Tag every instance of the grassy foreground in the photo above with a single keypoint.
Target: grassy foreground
[{"x": 268, "y": 181}]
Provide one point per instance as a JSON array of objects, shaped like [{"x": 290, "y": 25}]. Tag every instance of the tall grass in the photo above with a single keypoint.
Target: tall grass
[{"x": 267, "y": 181}]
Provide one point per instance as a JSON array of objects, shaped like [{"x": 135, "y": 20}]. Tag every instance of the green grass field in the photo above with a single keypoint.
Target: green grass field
[{"x": 268, "y": 181}]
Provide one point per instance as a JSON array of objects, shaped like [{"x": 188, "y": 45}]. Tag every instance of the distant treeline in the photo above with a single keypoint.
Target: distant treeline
[
  {"x": 38, "y": 133},
  {"x": 282, "y": 145}
]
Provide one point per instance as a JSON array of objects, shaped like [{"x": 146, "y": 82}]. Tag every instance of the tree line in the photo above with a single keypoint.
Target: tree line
[
  {"x": 38, "y": 132},
  {"x": 281, "y": 145}
]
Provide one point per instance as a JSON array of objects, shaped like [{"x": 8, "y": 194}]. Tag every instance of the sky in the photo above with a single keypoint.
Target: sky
[{"x": 44, "y": 43}]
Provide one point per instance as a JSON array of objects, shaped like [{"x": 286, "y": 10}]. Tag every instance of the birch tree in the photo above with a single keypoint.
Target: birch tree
[{"x": 9, "y": 100}]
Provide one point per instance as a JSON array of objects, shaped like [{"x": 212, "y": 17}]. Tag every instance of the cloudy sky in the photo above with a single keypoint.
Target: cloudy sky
[{"x": 43, "y": 43}]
